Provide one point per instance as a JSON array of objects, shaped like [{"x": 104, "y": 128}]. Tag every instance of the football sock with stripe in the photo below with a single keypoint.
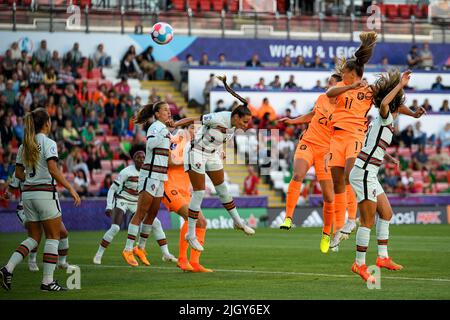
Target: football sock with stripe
[
  {"x": 340, "y": 206},
  {"x": 50, "y": 259},
  {"x": 182, "y": 253},
  {"x": 292, "y": 195},
  {"x": 362, "y": 243},
  {"x": 21, "y": 252},
  {"x": 383, "y": 237},
  {"x": 195, "y": 255},
  {"x": 228, "y": 202},
  {"x": 328, "y": 213},
  {"x": 194, "y": 210},
  {"x": 32, "y": 255},
  {"x": 107, "y": 238},
  {"x": 63, "y": 249},
  {"x": 352, "y": 206},
  {"x": 146, "y": 229},
  {"x": 133, "y": 230},
  {"x": 160, "y": 236}
]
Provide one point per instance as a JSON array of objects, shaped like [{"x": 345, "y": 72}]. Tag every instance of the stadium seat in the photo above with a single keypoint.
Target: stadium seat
[
  {"x": 425, "y": 10},
  {"x": 382, "y": 9},
  {"x": 233, "y": 6},
  {"x": 106, "y": 165},
  {"x": 417, "y": 11},
  {"x": 281, "y": 6},
  {"x": 392, "y": 11},
  {"x": 205, "y": 5},
  {"x": 217, "y": 5},
  {"x": 193, "y": 4},
  {"x": 179, "y": 5},
  {"x": 405, "y": 11}
]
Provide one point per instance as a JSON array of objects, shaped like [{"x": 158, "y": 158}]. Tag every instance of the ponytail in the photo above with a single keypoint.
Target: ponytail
[
  {"x": 384, "y": 84},
  {"x": 363, "y": 54},
  {"x": 147, "y": 112},
  {"x": 34, "y": 122}
]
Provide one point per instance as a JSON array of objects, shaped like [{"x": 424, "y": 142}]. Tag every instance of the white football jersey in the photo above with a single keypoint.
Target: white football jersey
[
  {"x": 125, "y": 186},
  {"x": 215, "y": 131},
  {"x": 157, "y": 152},
  {"x": 39, "y": 184},
  {"x": 378, "y": 139}
]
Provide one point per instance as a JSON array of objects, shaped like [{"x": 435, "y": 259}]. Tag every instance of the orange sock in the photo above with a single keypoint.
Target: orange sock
[
  {"x": 340, "y": 206},
  {"x": 184, "y": 245},
  {"x": 292, "y": 197},
  {"x": 352, "y": 206},
  {"x": 328, "y": 214},
  {"x": 195, "y": 255}
]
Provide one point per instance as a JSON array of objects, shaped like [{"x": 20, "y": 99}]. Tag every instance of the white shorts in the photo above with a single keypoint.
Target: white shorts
[
  {"x": 200, "y": 161},
  {"x": 126, "y": 206},
  {"x": 365, "y": 184},
  {"x": 41, "y": 209},
  {"x": 153, "y": 186},
  {"x": 21, "y": 216}
]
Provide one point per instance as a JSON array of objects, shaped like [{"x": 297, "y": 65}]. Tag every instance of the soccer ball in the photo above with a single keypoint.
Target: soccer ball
[{"x": 162, "y": 33}]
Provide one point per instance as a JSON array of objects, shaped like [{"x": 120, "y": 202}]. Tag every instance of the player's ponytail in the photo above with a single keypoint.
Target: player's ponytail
[
  {"x": 241, "y": 110},
  {"x": 34, "y": 122},
  {"x": 363, "y": 54},
  {"x": 147, "y": 112},
  {"x": 384, "y": 84}
]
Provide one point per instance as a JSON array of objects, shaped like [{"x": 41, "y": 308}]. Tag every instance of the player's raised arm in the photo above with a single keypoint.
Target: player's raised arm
[
  {"x": 415, "y": 114},
  {"x": 384, "y": 107},
  {"x": 306, "y": 118},
  {"x": 186, "y": 121}
]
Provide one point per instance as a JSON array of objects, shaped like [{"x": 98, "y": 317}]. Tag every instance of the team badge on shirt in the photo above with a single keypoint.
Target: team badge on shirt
[{"x": 361, "y": 96}]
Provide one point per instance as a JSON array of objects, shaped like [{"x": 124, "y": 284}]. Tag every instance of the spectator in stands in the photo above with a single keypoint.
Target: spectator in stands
[
  {"x": 50, "y": 76},
  {"x": 438, "y": 86},
  {"x": 92, "y": 119},
  {"x": 384, "y": 64},
  {"x": 65, "y": 76},
  {"x": 444, "y": 136},
  {"x": 426, "y": 105},
  {"x": 70, "y": 135},
  {"x": 71, "y": 96},
  {"x": 415, "y": 105},
  {"x": 2, "y": 82},
  {"x": 110, "y": 107},
  {"x": 251, "y": 182},
  {"x": 100, "y": 57},
  {"x": 300, "y": 62},
  {"x": 6, "y": 131},
  {"x": 286, "y": 147},
  {"x": 154, "y": 97},
  {"x": 420, "y": 137},
  {"x": 254, "y": 61},
  {"x": 260, "y": 85},
  {"x": 204, "y": 60},
  {"x": 24, "y": 91},
  {"x": 50, "y": 105},
  {"x": 291, "y": 83},
  {"x": 88, "y": 135},
  {"x": 8, "y": 64},
  {"x": 130, "y": 68},
  {"x": 42, "y": 54},
  {"x": 440, "y": 160},
  {"x": 19, "y": 130},
  {"x": 147, "y": 62},
  {"x": 9, "y": 93},
  {"x": 420, "y": 158},
  {"x": 220, "y": 106},
  {"x": 15, "y": 51},
  {"x": 267, "y": 108},
  {"x": 93, "y": 161},
  {"x": 317, "y": 63},
  {"x": 391, "y": 180},
  {"x": 41, "y": 94},
  {"x": 75, "y": 57},
  {"x": 222, "y": 62},
  {"x": 286, "y": 62},
  {"x": 60, "y": 118},
  {"x": 122, "y": 87},
  {"x": 55, "y": 62},
  {"x": 78, "y": 119},
  {"x": 294, "y": 110},
  {"x": 7, "y": 166},
  {"x": 36, "y": 76},
  {"x": 276, "y": 83},
  {"x": 188, "y": 62},
  {"x": 412, "y": 58},
  {"x": 174, "y": 110},
  {"x": 107, "y": 182},
  {"x": 209, "y": 85},
  {"x": 235, "y": 83},
  {"x": 22, "y": 74},
  {"x": 445, "y": 107},
  {"x": 54, "y": 92},
  {"x": 426, "y": 57},
  {"x": 81, "y": 183},
  {"x": 407, "y": 136},
  {"x": 120, "y": 127},
  {"x": 408, "y": 182},
  {"x": 318, "y": 85}
]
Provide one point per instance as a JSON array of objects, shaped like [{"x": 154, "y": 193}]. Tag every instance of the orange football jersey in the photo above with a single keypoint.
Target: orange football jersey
[{"x": 318, "y": 131}]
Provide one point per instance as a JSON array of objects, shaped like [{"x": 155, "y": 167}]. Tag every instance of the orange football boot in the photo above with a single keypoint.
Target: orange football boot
[
  {"x": 362, "y": 272},
  {"x": 129, "y": 258},
  {"x": 199, "y": 268},
  {"x": 142, "y": 255},
  {"x": 388, "y": 264},
  {"x": 184, "y": 264}
]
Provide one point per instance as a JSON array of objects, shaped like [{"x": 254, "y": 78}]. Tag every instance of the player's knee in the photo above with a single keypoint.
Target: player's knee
[
  {"x": 328, "y": 197},
  {"x": 114, "y": 229},
  {"x": 297, "y": 177},
  {"x": 366, "y": 222},
  {"x": 156, "y": 224},
  {"x": 222, "y": 192},
  {"x": 63, "y": 233}
]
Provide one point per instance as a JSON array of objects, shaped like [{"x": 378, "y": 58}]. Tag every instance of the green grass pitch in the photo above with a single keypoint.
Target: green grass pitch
[{"x": 273, "y": 264}]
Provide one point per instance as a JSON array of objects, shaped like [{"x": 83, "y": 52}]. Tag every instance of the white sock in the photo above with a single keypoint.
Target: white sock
[
  {"x": 50, "y": 259},
  {"x": 158, "y": 231},
  {"x": 146, "y": 229},
  {"x": 133, "y": 230},
  {"x": 194, "y": 210},
  {"x": 165, "y": 249},
  {"x": 107, "y": 239},
  {"x": 63, "y": 248},
  {"x": 383, "y": 237},
  {"x": 228, "y": 202},
  {"x": 32, "y": 256},
  {"x": 21, "y": 252},
  {"x": 362, "y": 243}
]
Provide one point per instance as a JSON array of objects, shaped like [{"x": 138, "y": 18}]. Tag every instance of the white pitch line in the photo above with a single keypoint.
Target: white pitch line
[{"x": 270, "y": 272}]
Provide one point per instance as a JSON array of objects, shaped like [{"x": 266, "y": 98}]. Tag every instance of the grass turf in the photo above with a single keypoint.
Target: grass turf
[{"x": 273, "y": 264}]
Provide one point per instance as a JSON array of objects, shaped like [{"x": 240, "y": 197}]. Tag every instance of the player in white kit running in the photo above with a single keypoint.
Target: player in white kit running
[
  {"x": 37, "y": 168},
  {"x": 388, "y": 96}
]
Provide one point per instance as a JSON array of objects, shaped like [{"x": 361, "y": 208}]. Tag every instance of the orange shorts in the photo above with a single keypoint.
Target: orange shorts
[
  {"x": 174, "y": 200},
  {"x": 314, "y": 155},
  {"x": 344, "y": 145}
]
